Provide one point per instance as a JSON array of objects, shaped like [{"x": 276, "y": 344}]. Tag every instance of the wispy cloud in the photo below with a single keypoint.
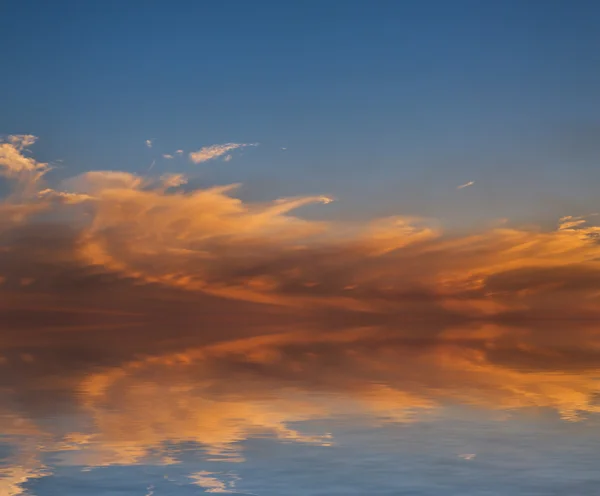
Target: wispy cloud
[
  {"x": 168, "y": 156},
  {"x": 211, "y": 152},
  {"x": 466, "y": 185},
  {"x": 149, "y": 143}
]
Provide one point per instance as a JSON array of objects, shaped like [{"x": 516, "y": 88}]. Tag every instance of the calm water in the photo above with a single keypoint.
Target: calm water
[{"x": 357, "y": 412}]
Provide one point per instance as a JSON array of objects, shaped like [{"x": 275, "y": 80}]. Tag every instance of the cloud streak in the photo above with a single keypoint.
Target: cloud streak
[{"x": 212, "y": 152}]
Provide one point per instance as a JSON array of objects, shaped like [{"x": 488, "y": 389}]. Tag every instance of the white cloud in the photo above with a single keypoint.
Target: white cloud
[
  {"x": 214, "y": 151},
  {"x": 168, "y": 156},
  {"x": 179, "y": 152},
  {"x": 466, "y": 185},
  {"x": 227, "y": 158},
  {"x": 149, "y": 143}
]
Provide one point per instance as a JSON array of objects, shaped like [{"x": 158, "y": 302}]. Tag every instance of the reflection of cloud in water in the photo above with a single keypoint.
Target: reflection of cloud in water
[
  {"x": 212, "y": 482},
  {"x": 13, "y": 477},
  {"x": 219, "y": 395}
]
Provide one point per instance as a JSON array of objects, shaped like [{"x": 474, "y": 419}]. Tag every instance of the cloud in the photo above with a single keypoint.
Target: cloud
[
  {"x": 97, "y": 182},
  {"x": 168, "y": 156},
  {"x": 179, "y": 152},
  {"x": 214, "y": 151},
  {"x": 466, "y": 185},
  {"x": 173, "y": 180},
  {"x": 71, "y": 198},
  {"x": 208, "y": 240},
  {"x": 16, "y": 166},
  {"x": 149, "y": 143}
]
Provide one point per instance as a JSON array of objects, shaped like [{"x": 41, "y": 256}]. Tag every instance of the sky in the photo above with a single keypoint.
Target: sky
[
  {"x": 323, "y": 247},
  {"x": 386, "y": 106}
]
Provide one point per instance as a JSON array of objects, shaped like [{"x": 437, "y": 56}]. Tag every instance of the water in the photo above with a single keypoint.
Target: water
[{"x": 352, "y": 412}]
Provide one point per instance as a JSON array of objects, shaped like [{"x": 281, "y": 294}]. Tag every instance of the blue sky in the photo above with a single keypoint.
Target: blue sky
[{"x": 387, "y": 105}]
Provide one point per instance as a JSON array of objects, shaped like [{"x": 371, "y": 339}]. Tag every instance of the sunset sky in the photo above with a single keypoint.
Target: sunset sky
[{"x": 264, "y": 247}]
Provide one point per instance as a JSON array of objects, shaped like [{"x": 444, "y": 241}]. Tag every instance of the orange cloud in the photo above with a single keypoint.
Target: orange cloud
[
  {"x": 144, "y": 231},
  {"x": 211, "y": 152}
]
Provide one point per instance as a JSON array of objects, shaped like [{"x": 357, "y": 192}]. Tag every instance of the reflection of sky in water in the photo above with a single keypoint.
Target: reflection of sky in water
[{"x": 460, "y": 452}]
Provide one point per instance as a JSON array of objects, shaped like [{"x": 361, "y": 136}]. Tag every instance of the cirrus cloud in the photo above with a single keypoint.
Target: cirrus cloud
[
  {"x": 466, "y": 185},
  {"x": 211, "y": 152}
]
